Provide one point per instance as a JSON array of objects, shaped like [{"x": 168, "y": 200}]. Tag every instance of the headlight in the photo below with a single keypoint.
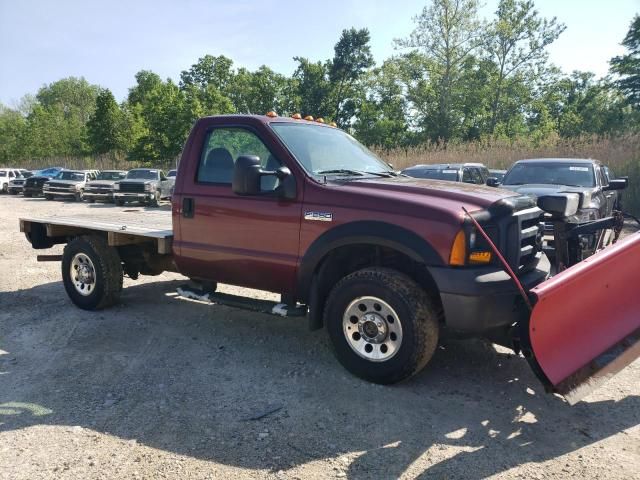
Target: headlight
[
  {"x": 584, "y": 215},
  {"x": 116, "y": 186},
  {"x": 470, "y": 248},
  {"x": 149, "y": 187},
  {"x": 78, "y": 186}
]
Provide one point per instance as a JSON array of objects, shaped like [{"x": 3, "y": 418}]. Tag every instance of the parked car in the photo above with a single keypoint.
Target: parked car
[
  {"x": 6, "y": 175},
  {"x": 145, "y": 185},
  {"x": 475, "y": 173},
  {"x": 497, "y": 174},
  {"x": 557, "y": 176},
  {"x": 102, "y": 187},
  {"x": 33, "y": 185},
  {"x": 17, "y": 184},
  {"x": 68, "y": 184}
]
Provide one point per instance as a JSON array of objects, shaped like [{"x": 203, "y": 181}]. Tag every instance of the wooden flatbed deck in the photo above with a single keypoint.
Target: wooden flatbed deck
[{"x": 123, "y": 227}]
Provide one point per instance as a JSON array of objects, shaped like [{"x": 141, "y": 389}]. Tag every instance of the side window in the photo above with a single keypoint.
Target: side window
[
  {"x": 477, "y": 176},
  {"x": 163, "y": 177},
  {"x": 604, "y": 180},
  {"x": 222, "y": 148},
  {"x": 466, "y": 176},
  {"x": 11, "y": 174}
]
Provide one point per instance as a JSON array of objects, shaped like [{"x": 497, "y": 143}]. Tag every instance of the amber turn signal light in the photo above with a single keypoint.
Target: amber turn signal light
[
  {"x": 458, "y": 254},
  {"x": 480, "y": 257},
  {"x": 309, "y": 118},
  {"x": 296, "y": 116},
  {"x": 320, "y": 120},
  {"x": 272, "y": 114}
]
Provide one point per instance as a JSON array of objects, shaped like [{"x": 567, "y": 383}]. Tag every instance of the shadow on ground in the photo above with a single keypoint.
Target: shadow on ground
[{"x": 191, "y": 378}]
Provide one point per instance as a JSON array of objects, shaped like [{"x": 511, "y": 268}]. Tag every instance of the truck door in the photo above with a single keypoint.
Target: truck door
[{"x": 250, "y": 241}]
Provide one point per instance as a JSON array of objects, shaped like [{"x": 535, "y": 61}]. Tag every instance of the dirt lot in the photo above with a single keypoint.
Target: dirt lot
[{"x": 161, "y": 387}]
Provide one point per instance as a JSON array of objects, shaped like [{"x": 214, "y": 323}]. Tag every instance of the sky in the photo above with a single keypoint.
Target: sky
[{"x": 108, "y": 42}]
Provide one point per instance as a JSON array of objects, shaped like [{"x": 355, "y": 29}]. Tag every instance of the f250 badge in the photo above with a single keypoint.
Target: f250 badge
[{"x": 319, "y": 216}]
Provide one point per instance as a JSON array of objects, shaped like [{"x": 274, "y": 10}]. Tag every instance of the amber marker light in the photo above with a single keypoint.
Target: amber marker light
[
  {"x": 458, "y": 254},
  {"x": 272, "y": 114}
]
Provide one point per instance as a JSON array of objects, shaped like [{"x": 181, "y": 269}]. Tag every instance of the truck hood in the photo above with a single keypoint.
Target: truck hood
[
  {"x": 102, "y": 183},
  {"x": 480, "y": 196},
  {"x": 540, "y": 190}
]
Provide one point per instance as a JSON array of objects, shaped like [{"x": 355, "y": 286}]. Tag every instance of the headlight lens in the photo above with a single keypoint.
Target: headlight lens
[
  {"x": 584, "y": 215},
  {"x": 116, "y": 186},
  {"x": 149, "y": 187}
]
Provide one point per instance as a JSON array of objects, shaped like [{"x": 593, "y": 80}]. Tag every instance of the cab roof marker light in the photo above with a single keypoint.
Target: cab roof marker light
[
  {"x": 309, "y": 118},
  {"x": 272, "y": 114},
  {"x": 296, "y": 116}
]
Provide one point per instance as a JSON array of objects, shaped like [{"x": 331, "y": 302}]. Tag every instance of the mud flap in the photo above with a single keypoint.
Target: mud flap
[{"x": 585, "y": 324}]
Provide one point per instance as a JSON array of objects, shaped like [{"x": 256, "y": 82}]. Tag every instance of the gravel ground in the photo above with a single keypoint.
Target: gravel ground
[{"x": 162, "y": 387}]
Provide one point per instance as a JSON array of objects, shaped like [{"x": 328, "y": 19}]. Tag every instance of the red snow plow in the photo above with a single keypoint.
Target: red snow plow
[{"x": 585, "y": 323}]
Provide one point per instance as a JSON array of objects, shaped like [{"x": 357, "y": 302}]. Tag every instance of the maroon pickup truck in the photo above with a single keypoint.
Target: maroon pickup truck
[{"x": 386, "y": 263}]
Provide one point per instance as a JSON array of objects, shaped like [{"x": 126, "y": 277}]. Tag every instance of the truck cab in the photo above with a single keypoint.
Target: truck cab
[{"x": 295, "y": 207}]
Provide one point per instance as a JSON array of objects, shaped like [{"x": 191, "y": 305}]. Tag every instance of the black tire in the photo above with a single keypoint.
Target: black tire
[
  {"x": 48, "y": 197},
  {"x": 79, "y": 196},
  {"x": 417, "y": 316},
  {"x": 27, "y": 195},
  {"x": 13, "y": 192},
  {"x": 91, "y": 200},
  {"x": 108, "y": 272},
  {"x": 5, "y": 188},
  {"x": 119, "y": 203}
]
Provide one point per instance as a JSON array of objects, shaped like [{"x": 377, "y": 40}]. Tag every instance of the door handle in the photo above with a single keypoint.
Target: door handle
[{"x": 188, "y": 207}]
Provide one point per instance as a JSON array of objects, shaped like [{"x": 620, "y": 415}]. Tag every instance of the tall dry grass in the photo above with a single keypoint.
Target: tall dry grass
[{"x": 621, "y": 154}]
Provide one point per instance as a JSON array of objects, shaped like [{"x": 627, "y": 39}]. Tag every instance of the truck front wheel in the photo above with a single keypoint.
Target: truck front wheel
[
  {"x": 382, "y": 325},
  {"x": 91, "y": 273}
]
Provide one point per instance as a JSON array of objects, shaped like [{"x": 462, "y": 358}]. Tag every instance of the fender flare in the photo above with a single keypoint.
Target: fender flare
[{"x": 370, "y": 232}]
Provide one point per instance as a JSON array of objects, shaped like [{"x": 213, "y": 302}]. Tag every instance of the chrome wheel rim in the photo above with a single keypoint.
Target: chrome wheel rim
[
  {"x": 83, "y": 274},
  {"x": 372, "y": 329}
]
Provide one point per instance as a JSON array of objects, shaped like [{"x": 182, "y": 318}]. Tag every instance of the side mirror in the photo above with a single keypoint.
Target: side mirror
[
  {"x": 492, "y": 182},
  {"x": 560, "y": 206},
  {"x": 617, "y": 184},
  {"x": 247, "y": 173}
]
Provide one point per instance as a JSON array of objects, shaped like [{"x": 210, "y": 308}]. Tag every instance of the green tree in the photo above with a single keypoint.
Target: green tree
[
  {"x": 447, "y": 33},
  {"x": 516, "y": 41},
  {"x": 627, "y": 67},
  {"x": 209, "y": 70},
  {"x": 12, "y": 128},
  {"x": 106, "y": 127},
  {"x": 352, "y": 58},
  {"x": 312, "y": 88}
]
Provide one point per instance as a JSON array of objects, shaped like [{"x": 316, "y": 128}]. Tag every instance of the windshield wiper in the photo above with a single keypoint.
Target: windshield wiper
[{"x": 345, "y": 171}]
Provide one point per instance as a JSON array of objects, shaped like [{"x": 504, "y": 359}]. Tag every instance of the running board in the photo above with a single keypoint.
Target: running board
[{"x": 244, "y": 303}]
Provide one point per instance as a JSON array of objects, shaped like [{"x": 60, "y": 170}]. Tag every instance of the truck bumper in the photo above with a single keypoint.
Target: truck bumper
[
  {"x": 134, "y": 197},
  {"x": 481, "y": 300},
  {"x": 105, "y": 197}
]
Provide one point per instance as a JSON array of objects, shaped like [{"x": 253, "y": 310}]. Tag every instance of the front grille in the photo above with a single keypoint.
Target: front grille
[
  {"x": 35, "y": 182},
  {"x": 16, "y": 183},
  {"x": 132, "y": 187},
  {"x": 60, "y": 187},
  {"x": 99, "y": 189},
  {"x": 524, "y": 239}
]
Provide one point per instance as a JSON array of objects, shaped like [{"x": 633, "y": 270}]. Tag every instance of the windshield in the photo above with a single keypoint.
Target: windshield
[
  {"x": 550, "y": 173},
  {"x": 77, "y": 176},
  {"x": 325, "y": 150},
  {"x": 434, "y": 173},
  {"x": 143, "y": 174},
  {"x": 110, "y": 176}
]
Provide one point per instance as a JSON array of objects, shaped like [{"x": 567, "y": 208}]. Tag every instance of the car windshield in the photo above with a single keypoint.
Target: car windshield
[
  {"x": 110, "y": 176},
  {"x": 76, "y": 176},
  {"x": 143, "y": 174},
  {"x": 27, "y": 174},
  {"x": 434, "y": 173},
  {"x": 551, "y": 173},
  {"x": 329, "y": 151}
]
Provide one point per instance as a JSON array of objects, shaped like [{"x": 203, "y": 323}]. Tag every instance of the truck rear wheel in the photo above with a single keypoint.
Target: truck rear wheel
[
  {"x": 91, "y": 273},
  {"x": 382, "y": 325}
]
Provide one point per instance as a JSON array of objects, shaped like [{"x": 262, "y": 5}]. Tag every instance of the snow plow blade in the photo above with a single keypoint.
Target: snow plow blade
[{"x": 585, "y": 324}]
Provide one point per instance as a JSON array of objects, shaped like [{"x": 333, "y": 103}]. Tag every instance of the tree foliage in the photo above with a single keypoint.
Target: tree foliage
[{"x": 454, "y": 78}]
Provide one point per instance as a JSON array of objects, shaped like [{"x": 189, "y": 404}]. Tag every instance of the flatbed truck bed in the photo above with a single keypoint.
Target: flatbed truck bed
[{"x": 124, "y": 227}]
